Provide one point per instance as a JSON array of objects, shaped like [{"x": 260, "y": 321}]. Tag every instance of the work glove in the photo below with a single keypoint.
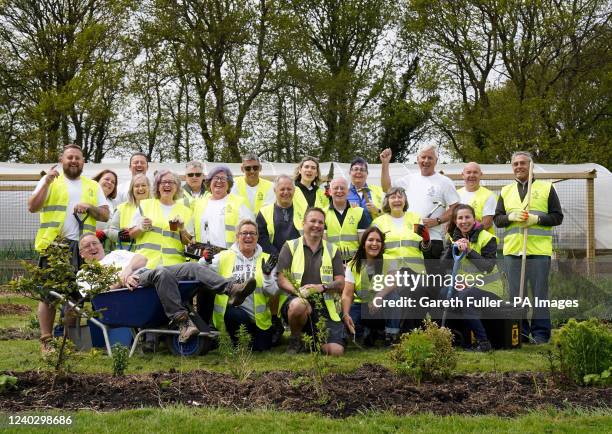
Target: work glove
[
  {"x": 422, "y": 231},
  {"x": 269, "y": 265},
  {"x": 101, "y": 235},
  {"x": 517, "y": 216},
  {"x": 531, "y": 220},
  {"x": 124, "y": 236}
]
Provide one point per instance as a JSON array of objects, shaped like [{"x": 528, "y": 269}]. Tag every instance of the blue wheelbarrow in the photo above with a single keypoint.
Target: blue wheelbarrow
[{"x": 142, "y": 311}]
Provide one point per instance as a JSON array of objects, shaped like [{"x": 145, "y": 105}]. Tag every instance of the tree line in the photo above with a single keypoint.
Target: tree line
[{"x": 213, "y": 79}]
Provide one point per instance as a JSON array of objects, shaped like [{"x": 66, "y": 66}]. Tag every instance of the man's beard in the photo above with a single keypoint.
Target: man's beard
[{"x": 72, "y": 172}]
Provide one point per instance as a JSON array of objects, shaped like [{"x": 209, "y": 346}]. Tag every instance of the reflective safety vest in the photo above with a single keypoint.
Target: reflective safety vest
[
  {"x": 491, "y": 281},
  {"x": 344, "y": 236},
  {"x": 53, "y": 211},
  {"x": 263, "y": 187},
  {"x": 232, "y": 214},
  {"x": 263, "y": 317},
  {"x": 327, "y": 271},
  {"x": 160, "y": 245},
  {"x": 267, "y": 212},
  {"x": 188, "y": 199},
  {"x": 300, "y": 204},
  {"x": 478, "y": 201},
  {"x": 539, "y": 238},
  {"x": 377, "y": 194},
  {"x": 402, "y": 246},
  {"x": 126, "y": 216},
  {"x": 364, "y": 290}
]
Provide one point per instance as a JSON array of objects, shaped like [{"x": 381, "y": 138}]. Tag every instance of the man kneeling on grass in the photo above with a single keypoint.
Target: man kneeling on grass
[{"x": 165, "y": 280}]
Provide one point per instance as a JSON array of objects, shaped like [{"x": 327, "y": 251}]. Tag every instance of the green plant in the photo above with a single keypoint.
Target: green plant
[
  {"x": 426, "y": 354},
  {"x": 238, "y": 356},
  {"x": 7, "y": 382},
  {"x": 585, "y": 349},
  {"x": 121, "y": 358},
  {"x": 62, "y": 355},
  {"x": 314, "y": 342}
]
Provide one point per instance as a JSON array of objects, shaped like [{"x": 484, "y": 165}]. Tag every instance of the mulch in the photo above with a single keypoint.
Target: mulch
[
  {"x": 370, "y": 388},
  {"x": 14, "y": 309}
]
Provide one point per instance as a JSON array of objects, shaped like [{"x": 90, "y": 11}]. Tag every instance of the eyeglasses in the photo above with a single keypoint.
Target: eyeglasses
[
  {"x": 251, "y": 168},
  {"x": 359, "y": 169},
  {"x": 248, "y": 234},
  {"x": 219, "y": 179},
  {"x": 191, "y": 175},
  {"x": 167, "y": 183}
]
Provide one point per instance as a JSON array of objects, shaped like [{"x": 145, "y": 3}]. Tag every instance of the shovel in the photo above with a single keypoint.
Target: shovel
[{"x": 457, "y": 257}]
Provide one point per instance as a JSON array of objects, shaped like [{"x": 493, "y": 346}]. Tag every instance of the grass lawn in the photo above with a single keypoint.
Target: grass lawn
[{"x": 183, "y": 419}]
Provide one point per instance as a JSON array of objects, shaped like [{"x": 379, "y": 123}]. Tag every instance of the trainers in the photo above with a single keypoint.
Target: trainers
[
  {"x": 238, "y": 292},
  {"x": 278, "y": 329},
  {"x": 482, "y": 347},
  {"x": 187, "y": 329},
  {"x": 391, "y": 339},
  {"x": 295, "y": 344},
  {"x": 46, "y": 344}
]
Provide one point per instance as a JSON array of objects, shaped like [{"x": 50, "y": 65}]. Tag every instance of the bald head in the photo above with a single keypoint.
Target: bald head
[{"x": 471, "y": 176}]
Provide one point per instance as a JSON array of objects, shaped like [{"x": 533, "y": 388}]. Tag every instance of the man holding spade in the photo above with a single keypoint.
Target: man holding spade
[{"x": 528, "y": 209}]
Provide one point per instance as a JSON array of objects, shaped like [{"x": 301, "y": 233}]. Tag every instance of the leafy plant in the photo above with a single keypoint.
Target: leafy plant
[
  {"x": 121, "y": 358},
  {"x": 585, "y": 350},
  {"x": 426, "y": 354},
  {"x": 62, "y": 355},
  {"x": 7, "y": 382},
  {"x": 314, "y": 342},
  {"x": 238, "y": 356}
]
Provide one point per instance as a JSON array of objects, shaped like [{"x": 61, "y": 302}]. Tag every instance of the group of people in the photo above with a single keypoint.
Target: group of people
[{"x": 291, "y": 251}]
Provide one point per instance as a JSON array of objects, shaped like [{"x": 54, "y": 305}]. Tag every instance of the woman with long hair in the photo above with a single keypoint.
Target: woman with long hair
[{"x": 308, "y": 194}]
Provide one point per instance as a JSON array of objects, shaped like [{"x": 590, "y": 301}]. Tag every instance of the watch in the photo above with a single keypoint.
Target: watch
[
  {"x": 325, "y": 288},
  {"x": 438, "y": 220}
]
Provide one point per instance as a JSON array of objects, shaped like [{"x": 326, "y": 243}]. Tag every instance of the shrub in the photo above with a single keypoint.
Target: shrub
[
  {"x": 121, "y": 358},
  {"x": 585, "y": 350},
  {"x": 426, "y": 354},
  {"x": 238, "y": 356}
]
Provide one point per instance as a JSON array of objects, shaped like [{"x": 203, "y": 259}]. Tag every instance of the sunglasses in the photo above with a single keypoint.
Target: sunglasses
[
  {"x": 191, "y": 175},
  {"x": 251, "y": 168}
]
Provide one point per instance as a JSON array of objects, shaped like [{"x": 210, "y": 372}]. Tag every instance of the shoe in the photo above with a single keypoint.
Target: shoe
[
  {"x": 370, "y": 339},
  {"x": 295, "y": 344},
  {"x": 238, "y": 292},
  {"x": 482, "y": 347},
  {"x": 278, "y": 329},
  {"x": 187, "y": 328},
  {"x": 46, "y": 344},
  {"x": 391, "y": 339}
]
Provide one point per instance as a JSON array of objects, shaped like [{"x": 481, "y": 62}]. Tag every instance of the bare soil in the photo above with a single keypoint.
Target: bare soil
[
  {"x": 14, "y": 309},
  {"x": 370, "y": 388}
]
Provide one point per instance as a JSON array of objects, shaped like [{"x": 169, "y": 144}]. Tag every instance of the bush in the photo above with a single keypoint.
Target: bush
[
  {"x": 121, "y": 358},
  {"x": 426, "y": 354},
  {"x": 585, "y": 350}
]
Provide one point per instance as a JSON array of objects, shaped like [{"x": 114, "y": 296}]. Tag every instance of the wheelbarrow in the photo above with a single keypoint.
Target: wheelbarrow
[{"x": 142, "y": 311}]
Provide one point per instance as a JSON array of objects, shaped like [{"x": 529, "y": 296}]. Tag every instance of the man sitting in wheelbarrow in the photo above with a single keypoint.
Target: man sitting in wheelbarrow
[{"x": 165, "y": 280}]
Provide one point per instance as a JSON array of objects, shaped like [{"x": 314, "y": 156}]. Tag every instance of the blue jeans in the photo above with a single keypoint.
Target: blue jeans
[
  {"x": 235, "y": 317},
  {"x": 364, "y": 325},
  {"x": 471, "y": 315},
  {"x": 536, "y": 278}
]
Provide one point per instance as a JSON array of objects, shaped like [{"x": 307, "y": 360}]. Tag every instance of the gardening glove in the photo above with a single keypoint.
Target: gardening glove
[
  {"x": 269, "y": 265},
  {"x": 101, "y": 235},
  {"x": 531, "y": 220},
  {"x": 517, "y": 216},
  {"x": 124, "y": 236},
  {"x": 422, "y": 231}
]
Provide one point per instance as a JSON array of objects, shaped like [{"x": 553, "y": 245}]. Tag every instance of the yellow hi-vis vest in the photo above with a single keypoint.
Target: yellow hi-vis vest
[
  {"x": 539, "y": 238},
  {"x": 327, "y": 271},
  {"x": 232, "y": 214},
  {"x": 263, "y": 317},
  {"x": 160, "y": 245},
  {"x": 189, "y": 200},
  {"x": 402, "y": 247},
  {"x": 478, "y": 201},
  {"x": 126, "y": 212},
  {"x": 345, "y": 236},
  {"x": 377, "y": 195},
  {"x": 300, "y": 204},
  {"x": 53, "y": 211},
  {"x": 267, "y": 212},
  {"x": 263, "y": 187},
  {"x": 364, "y": 288},
  {"x": 491, "y": 281}
]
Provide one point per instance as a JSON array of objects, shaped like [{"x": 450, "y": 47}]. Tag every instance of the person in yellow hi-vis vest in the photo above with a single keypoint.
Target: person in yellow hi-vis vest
[
  {"x": 245, "y": 260},
  {"x": 217, "y": 214},
  {"x": 165, "y": 225},
  {"x": 478, "y": 277},
  {"x": 343, "y": 222},
  {"x": 69, "y": 205},
  {"x": 308, "y": 194},
  {"x": 256, "y": 191},
  {"x": 478, "y": 197},
  {"x": 194, "y": 187},
  {"x": 544, "y": 213},
  {"x": 309, "y": 266},
  {"x": 367, "y": 196},
  {"x": 121, "y": 222}
]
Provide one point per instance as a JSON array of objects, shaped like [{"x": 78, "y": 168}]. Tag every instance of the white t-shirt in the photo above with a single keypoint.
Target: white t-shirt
[
  {"x": 251, "y": 193},
  {"x": 117, "y": 258},
  {"x": 70, "y": 229},
  {"x": 489, "y": 206},
  {"x": 212, "y": 225},
  {"x": 350, "y": 277},
  {"x": 423, "y": 191},
  {"x": 398, "y": 222}
]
